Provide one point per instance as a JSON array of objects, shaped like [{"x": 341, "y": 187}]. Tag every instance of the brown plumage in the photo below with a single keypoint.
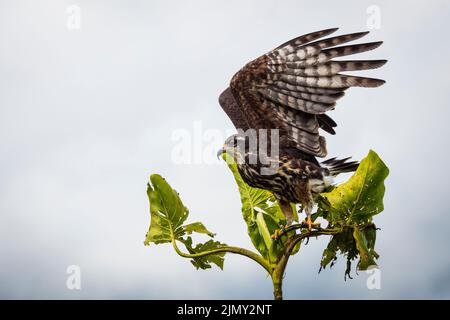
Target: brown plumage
[{"x": 291, "y": 88}]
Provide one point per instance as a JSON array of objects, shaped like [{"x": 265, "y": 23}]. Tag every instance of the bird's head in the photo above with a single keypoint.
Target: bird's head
[{"x": 235, "y": 146}]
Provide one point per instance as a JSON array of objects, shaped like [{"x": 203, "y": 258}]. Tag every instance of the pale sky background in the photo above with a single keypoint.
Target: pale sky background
[{"x": 87, "y": 115}]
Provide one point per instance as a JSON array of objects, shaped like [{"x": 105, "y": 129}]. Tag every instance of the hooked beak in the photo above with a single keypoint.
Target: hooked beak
[{"x": 220, "y": 152}]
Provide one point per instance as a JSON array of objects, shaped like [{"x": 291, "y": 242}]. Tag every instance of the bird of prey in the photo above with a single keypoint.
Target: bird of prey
[{"x": 290, "y": 89}]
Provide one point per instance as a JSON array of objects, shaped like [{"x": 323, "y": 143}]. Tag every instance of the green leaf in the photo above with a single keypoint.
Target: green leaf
[
  {"x": 366, "y": 259},
  {"x": 361, "y": 197},
  {"x": 199, "y": 228},
  {"x": 352, "y": 242},
  {"x": 263, "y": 230},
  {"x": 206, "y": 261},
  {"x": 342, "y": 243},
  {"x": 329, "y": 254},
  {"x": 261, "y": 213},
  {"x": 167, "y": 215},
  {"x": 167, "y": 212},
  {"x": 352, "y": 206}
]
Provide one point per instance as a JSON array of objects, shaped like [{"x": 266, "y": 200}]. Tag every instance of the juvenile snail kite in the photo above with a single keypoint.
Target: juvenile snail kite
[{"x": 291, "y": 88}]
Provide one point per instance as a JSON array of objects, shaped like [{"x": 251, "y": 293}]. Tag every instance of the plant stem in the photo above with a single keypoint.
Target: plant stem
[
  {"x": 277, "y": 288},
  {"x": 305, "y": 226},
  {"x": 228, "y": 249},
  {"x": 277, "y": 277},
  {"x": 278, "y": 272}
]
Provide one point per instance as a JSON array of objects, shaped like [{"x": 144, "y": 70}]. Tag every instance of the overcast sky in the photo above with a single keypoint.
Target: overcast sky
[{"x": 86, "y": 115}]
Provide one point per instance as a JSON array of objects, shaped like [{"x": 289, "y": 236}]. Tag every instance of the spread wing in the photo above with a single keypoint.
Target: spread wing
[
  {"x": 231, "y": 108},
  {"x": 293, "y": 86}
]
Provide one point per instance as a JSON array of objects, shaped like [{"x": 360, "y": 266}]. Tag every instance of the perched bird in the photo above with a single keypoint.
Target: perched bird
[{"x": 290, "y": 89}]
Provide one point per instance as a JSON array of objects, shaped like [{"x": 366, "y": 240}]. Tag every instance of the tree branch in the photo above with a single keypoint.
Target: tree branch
[
  {"x": 275, "y": 271},
  {"x": 278, "y": 272},
  {"x": 305, "y": 226},
  {"x": 227, "y": 249}
]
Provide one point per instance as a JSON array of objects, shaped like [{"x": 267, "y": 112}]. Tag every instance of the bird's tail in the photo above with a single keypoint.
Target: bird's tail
[{"x": 337, "y": 166}]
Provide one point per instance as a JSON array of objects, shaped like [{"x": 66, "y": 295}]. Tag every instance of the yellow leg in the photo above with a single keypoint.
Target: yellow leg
[
  {"x": 310, "y": 224},
  {"x": 277, "y": 233}
]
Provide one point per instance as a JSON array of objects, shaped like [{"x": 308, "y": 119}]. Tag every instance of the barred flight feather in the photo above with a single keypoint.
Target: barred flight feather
[
  {"x": 298, "y": 104},
  {"x": 321, "y": 98},
  {"x": 326, "y": 123},
  {"x": 299, "y": 119},
  {"x": 333, "y": 67},
  {"x": 291, "y": 87},
  {"x": 294, "y": 85}
]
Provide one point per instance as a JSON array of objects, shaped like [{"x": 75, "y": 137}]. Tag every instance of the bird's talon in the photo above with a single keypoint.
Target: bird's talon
[
  {"x": 311, "y": 224},
  {"x": 277, "y": 233}
]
